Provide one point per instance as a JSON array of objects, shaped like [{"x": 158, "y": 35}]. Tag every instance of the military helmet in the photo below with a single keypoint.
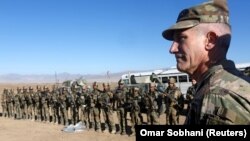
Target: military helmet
[
  {"x": 95, "y": 83},
  {"x": 120, "y": 82},
  {"x": 136, "y": 89},
  {"x": 172, "y": 80},
  {"x": 38, "y": 88}
]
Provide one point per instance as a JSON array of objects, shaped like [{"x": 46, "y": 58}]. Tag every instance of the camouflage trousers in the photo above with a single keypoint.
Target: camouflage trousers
[
  {"x": 94, "y": 117},
  {"x": 122, "y": 119},
  {"x": 4, "y": 109},
  {"x": 152, "y": 117},
  {"x": 107, "y": 114},
  {"x": 135, "y": 119},
  {"x": 10, "y": 109},
  {"x": 23, "y": 110},
  {"x": 30, "y": 108},
  {"x": 37, "y": 111},
  {"x": 45, "y": 112},
  {"x": 72, "y": 111},
  {"x": 171, "y": 116},
  {"x": 63, "y": 115},
  {"x": 83, "y": 115},
  {"x": 17, "y": 111},
  {"x": 54, "y": 112}
]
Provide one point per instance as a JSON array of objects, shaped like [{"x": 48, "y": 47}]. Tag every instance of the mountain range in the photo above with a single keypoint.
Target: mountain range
[{"x": 58, "y": 78}]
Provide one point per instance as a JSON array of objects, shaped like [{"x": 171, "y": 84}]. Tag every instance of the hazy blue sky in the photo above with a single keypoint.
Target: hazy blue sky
[{"x": 93, "y": 36}]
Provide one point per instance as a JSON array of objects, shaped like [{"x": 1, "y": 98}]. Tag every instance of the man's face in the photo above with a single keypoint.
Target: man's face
[
  {"x": 135, "y": 92},
  {"x": 171, "y": 85},
  {"x": 104, "y": 87},
  {"x": 188, "y": 48},
  {"x": 193, "y": 82},
  {"x": 121, "y": 85}
]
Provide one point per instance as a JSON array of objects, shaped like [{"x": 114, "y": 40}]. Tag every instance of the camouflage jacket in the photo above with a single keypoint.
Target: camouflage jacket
[
  {"x": 174, "y": 98},
  {"x": 62, "y": 98},
  {"x": 120, "y": 97},
  {"x": 81, "y": 98},
  {"x": 17, "y": 98},
  {"x": 93, "y": 99},
  {"x": 222, "y": 97},
  {"x": 104, "y": 100},
  {"x": 36, "y": 97},
  {"x": 150, "y": 100}
]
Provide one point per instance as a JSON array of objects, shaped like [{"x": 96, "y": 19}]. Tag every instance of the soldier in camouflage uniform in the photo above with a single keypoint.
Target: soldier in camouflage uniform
[
  {"x": 174, "y": 102},
  {"x": 120, "y": 98},
  {"x": 4, "y": 103},
  {"x": 54, "y": 105},
  {"x": 30, "y": 106},
  {"x": 94, "y": 106},
  {"x": 190, "y": 93},
  {"x": 81, "y": 104},
  {"x": 23, "y": 103},
  {"x": 9, "y": 101},
  {"x": 62, "y": 106},
  {"x": 71, "y": 104},
  {"x": 44, "y": 104},
  {"x": 106, "y": 108},
  {"x": 17, "y": 105},
  {"x": 37, "y": 105},
  {"x": 134, "y": 99},
  {"x": 151, "y": 106},
  {"x": 201, "y": 38}
]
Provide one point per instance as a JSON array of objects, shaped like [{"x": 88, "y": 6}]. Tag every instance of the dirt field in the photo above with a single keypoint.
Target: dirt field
[{"x": 27, "y": 130}]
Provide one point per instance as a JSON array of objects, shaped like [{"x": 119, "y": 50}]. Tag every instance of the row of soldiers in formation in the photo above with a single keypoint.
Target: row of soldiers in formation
[{"x": 79, "y": 103}]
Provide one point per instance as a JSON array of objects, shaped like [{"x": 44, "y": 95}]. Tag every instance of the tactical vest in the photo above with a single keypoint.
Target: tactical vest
[
  {"x": 120, "y": 97},
  {"x": 36, "y": 97},
  {"x": 43, "y": 98},
  {"x": 17, "y": 99},
  {"x": 150, "y": 101}
]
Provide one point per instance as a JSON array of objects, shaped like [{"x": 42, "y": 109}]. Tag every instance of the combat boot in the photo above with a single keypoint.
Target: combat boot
[
  {"x": 105, "y": 131},
  {"x": 113, "y": 132},
  {"x": 91, "y": 126},
  {"x": 98, "y": 130},
  {"x": 123, "y": 133}
]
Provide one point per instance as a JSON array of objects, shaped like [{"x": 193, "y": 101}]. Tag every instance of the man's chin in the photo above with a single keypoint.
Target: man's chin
[{"x": 181, "y": 68}]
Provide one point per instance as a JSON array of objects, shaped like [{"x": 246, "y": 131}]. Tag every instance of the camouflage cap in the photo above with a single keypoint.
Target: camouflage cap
[{"x": 215, "y": 11}]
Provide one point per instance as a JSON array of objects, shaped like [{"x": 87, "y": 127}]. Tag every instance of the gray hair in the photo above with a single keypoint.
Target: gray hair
[{"x": 223, "y": 31}]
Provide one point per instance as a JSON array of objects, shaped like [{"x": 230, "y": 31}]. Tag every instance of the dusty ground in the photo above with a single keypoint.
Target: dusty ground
[{"x": 27, "y": 130}]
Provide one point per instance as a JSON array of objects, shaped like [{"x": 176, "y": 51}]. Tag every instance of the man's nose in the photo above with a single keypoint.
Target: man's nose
[{"x": 174, "y": 48}]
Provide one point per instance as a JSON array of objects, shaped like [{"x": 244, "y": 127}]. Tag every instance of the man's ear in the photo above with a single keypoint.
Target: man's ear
[{"x": 211, "y": 40}]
